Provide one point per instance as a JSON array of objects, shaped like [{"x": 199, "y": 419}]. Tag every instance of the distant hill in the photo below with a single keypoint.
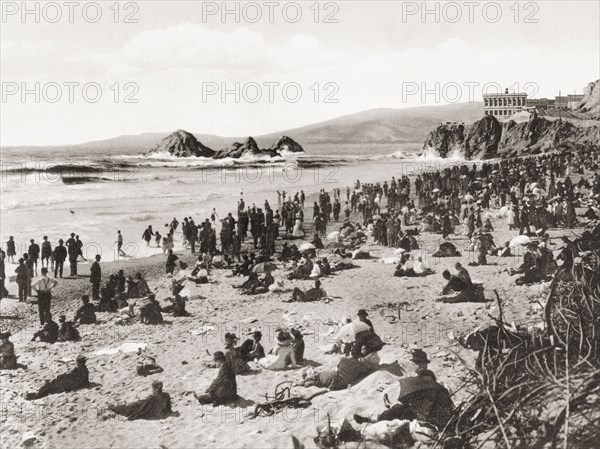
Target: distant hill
[
  {"x": 385, "y": 125},
  {"x": 373, "y": 126}
]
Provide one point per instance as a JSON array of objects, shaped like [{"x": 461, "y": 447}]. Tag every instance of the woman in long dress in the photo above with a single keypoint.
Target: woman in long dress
[{"x": 298, "y": 229}]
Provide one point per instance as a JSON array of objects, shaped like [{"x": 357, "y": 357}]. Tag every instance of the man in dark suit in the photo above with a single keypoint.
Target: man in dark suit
[
  {"x": 60, "y": 254},
  {"x": 96, "y": 278}
]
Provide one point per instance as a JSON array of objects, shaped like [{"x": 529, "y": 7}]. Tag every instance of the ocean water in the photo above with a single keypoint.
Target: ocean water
[{"x": 94, "y": 194}]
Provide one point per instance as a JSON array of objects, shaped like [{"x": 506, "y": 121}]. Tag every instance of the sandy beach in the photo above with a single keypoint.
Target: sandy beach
[{"x": 404, "y": 312}]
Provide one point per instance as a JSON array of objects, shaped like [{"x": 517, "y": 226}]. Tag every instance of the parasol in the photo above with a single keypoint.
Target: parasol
[
  {"x": 347, "y": 333},
  {"x": 519, "y": 240}
]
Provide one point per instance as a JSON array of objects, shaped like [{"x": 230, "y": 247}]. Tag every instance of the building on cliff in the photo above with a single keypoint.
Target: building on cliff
[{"x": 503, "y": 105}]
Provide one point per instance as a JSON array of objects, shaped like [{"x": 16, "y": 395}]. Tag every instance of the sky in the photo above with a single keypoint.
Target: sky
[{"x": 91, "y": 71}]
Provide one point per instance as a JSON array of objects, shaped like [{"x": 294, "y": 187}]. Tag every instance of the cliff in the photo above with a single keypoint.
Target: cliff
[
  {"x": 488, "y": 138},
  {"x": 591, "y": 99},
  {"x": 183, "y": 144}
]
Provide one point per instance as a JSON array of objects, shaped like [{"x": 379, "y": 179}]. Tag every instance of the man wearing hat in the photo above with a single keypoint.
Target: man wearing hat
[
  {"x": 362, "y": 316},
  {"x": 8, "y": 359},
  {"x": 60, "y": 254},
  {"x": 43, "y": 287},
  {"x": 252, "y": 348},
  {"x": 224, "y": 388},
  {"x": 531, "y": 267},
  {"x": 22, "y": 280},
  {"x": 75, "y": 379},
  {"x": 419, "y": 358}
]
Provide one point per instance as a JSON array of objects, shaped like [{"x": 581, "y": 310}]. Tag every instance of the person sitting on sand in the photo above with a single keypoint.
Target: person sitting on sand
[
  {"x": 261, "y": 286},
  {"x": 155, "y": 406},
  {"x": 48, "y": 333},
  {"x": 304, "y": 268},
  {"x": 531, "y": 266},
  {"x": 8, "y": 359},
  {"x": 107, "y": 302},
  {"x": 298, "y": 345},
  {"x": 150, "y": 311},
  {"x": 325, "y": 267},
  {"x": 456, "y": 285},
  {"x": 423, "y": 399},
  {"x": 67, "y": 331},
  {"x": 177, "y": 308},
  {"x": 142, "y": 286},
  {"x": 286, "y": 253},
  {"x": 314, "y": 294},
  {"x": 234, "y": 355},
  {"x": 463, "y": 273},
  {"x": 505, "y": 251},
  {"x": 282, "y": 355},
  {"x": 420, "y": 360},
  {"x": 146, "y": 366},
  {"x": 317, "y": 242},
  {"x": 170, "y": 263},
  {"x": 252, "y": 281},
  {"x": 73, "y": 380},
  {"x": 348, "y": 371},
  {"x": 86, "y": 314},
  {"x": 224, "y": 388},
  {"x": 132, "y": 288},
  {"x": 252, "y": 349}
]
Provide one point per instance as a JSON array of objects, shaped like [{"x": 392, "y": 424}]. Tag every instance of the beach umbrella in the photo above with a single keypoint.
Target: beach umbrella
[
  {"x": 519, "y": 240},
  {"x": 347, "y": 333},
  {"x": 264, "y": 267},
  {"x": 306, "y": 246}
]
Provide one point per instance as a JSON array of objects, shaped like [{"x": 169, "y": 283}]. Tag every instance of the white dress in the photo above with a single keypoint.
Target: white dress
[
  {"x": 278, "y": 360},
  {"x": 298, "y": 229}
]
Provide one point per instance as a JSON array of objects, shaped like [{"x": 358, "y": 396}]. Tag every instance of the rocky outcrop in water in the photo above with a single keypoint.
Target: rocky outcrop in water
[
  {"x": 488, "y": 138},
  {"x": 248, "y": 148},
  {"x": 183, "y": 144},
  {"x": 446, "y": 139},
  {"x": 285, "y": 143}
]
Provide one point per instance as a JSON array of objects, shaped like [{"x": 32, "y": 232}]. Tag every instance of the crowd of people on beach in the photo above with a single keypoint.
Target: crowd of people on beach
[{"x": 268, "y": 246}]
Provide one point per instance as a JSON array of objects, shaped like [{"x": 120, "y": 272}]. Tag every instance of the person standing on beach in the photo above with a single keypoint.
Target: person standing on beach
[
  {"x": 43, "y": 287},
  {"x": 34, "y": 254},
  {"x": 29, "y": 265},
  {"x": 73, "y": 254},
  {"x": 120, "y": 251},
  {"x": 96, "y": 278},
  {"x": 147, "y": 235},
  {"x": 22, "y": 280},
  {"x": 3, "y": 291},
  {"x": 60, "y": 254},
  {"x": 46, "y": 252},
  {"x": 10, "y": 249}
]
